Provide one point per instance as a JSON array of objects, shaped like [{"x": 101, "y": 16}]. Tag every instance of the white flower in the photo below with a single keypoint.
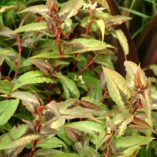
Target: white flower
[{"x": 92, "y": 6}]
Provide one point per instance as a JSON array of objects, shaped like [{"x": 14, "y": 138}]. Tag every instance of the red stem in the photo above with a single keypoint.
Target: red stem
[
  {"x": 90, "y": 23},
  {"x": 75, "y": 63},
  {"x": 59, "y": 32},
  {"x": 19, "y": 55},
  {"x": 19, "y": 46},
  {"x": 40, "y": 110},
  {"x": 86, "y": 35},
  {"x": 87, "y": 65},
  {"x": 88, "y": 27}
]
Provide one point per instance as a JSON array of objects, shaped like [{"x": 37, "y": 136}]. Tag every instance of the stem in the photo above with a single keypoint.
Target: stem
[
  {"x": 88, "y": 27},
  {"x": 91, "y": 12},
  {"x": 19, "y": 46},
  {"x": 86, "y": 35},
  {"x": 59, "y": 40},
  {"x": 59, "y": 32},
  {"x": 75, "y": 63},
  {"x": 33, "y": 148},
  {"x": 19, "y": 55},
  {"x": 106, "y": 148},
  {"x": 87, "y": 65},
  {"x": 40, "y": 110}
]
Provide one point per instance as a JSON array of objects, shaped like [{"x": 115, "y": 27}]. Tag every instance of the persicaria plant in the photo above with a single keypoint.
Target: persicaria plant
[{"x": 60, "y": 95}]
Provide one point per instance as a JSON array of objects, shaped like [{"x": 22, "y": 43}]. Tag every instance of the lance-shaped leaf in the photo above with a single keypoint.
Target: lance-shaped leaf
[
  {"x": 147, "y": 106},
  {"x": 70, "y": 8},
  {"x": 130, "y": 69},
  {"x": 135, "y": 77},
  {"x": 117, "y": 87},
  {"x": 86, "y": 150},
  {"x": 141, "y": 81},
  {"x": 7, "y": 52},
  {"x": 20, "y": 142},
  {"x": 119, "y": 34},
  {"x": 130, "y": 141},
  {"x": 54, "y": 153},
  {"x": 5, "y": 87},
  {"x": 7, "y": 109},
  {"x": 6, "y": 8},
  {"x": 69, "y": 86},
  {"x": 57, "y": 124},
  {"x": 122, "y": 120},
  {"x": 29, "y": 100},
  {"x": 32, "y": 27},
  {"x": 100, "y": 23},
  {"x": 51, "y": 142},
  {"x": 32, "y": 77},
  {"x": 14, "y": 134},
  {"x": 87, "y": 127},
  {"x": 37, "y": 9},
  {"x": 115, "y": 20},
  {"x": 43, "y": 55},
  {"x": 82, "y": 45}
]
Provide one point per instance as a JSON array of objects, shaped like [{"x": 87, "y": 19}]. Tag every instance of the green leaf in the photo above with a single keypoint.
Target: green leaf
[
  {"x": 96, "y": 103},
  {"x": 31, "y": 77},
  {"x": 86, "y": 150},
  {"x": 67, "y": 26},
  {"x": 119, "y": 34},
  {"x": 52, "y": 142},
  {"x": 69, "y": 86},
  {"x": 63, "y": 136},
  {"x": 105, "y": 60},
  {"x": 29, "y": 100},
  {"x": 117, "y": 87},
  {"x": 153, "y": 67},
  {"x": 94, "y": 84},
  {"x": 7, "y": 52},
  {"x": 6, "y": 8},
  {"x": 7, "y": 109},
  {"x": 37, "y": 9},
  {"x": 70, "y": 8},
  {"x": 130, "y": 69},
  {"x": 6, "y": 32},
  {"x": 135, "y": 140},
  {"x": 87, "y": 127},
  {"x": 14, "y": 134},
  {"x": 86, "y": 45},
  {"x": 115, "y": 20},
  {"x": 20, "y": 142},
  {"x": 122, "y": 120},
  {"x": 54, "y": 153},
  {"x": 101, "y": 26},
  {"x": 57, "y": 124},
  {"x": 5, "y": 87},
  {"x": 1, "y": 60},
  {"x": 135, "y": 76},
  {"x": 53, "y": 55},
  {"x": 129, "y": 152},
  {"x": 72, "y": 110},
  {"x": 32, "y": 27}
]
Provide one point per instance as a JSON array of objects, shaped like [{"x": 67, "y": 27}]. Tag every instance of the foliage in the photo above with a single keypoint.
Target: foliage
[{"x": 59, "y": 92}]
